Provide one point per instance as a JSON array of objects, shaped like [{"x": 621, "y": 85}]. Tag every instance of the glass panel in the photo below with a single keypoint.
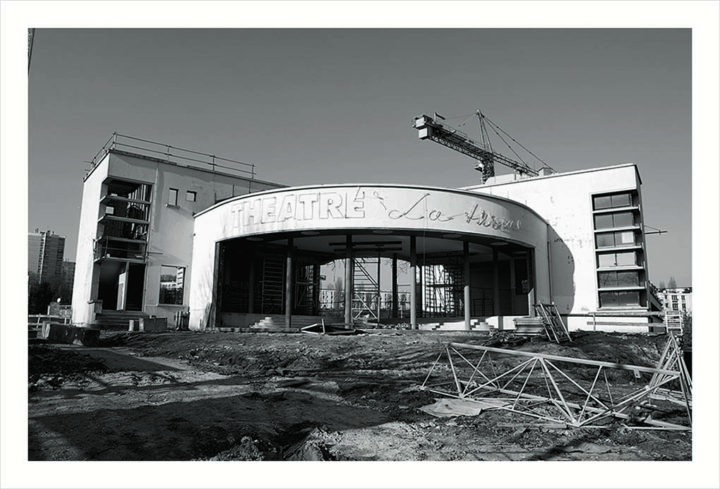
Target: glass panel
[
  {"x": 629, "y": 298},
  {"x": 172, "y": 197},
  {"x": 602, "y": 202},
  {"x": 606, "y": 260},
  {"x": 171, "y": 285},
  {"x": 625, "y": 238},
  {"x": 607, "y": 279},
  {"x": 623, "y": 219},
  {"x": 621, "y": 200},
  {"x": 605, "y": 240},
  {"x": 608, "y": 299},
  {"x": 603, "y": 221},
  {"x": 628, "y": 279},
  {"x": 190, "y": 196},
  {"x": 625, "y": 259}
]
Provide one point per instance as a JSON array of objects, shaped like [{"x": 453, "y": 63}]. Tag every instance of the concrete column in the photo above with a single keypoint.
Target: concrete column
[
  {"x": 316, "y": 289},
  {"x": 251, "y": 285},
  {"x": 379, "y": 291},
  {"x": 512, "y": 285},
  {"x": 348, "y": 279},
  {"x": 394, "y": 287},
  {"x": 413, "y": 284},
  {"x": 531, "y": 282},
  {"x": 496, "y": 285},
  {"x": 466, "y": 283},
  {"x": 289, "y": 284}
]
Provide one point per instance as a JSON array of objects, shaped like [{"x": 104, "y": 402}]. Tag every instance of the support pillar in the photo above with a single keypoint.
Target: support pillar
[
  {"x": 466, "y": 283},
  {"x": 496, "y": 285},
  {"x": 316, "y": 289},
  {"x": 513, "y": 286},
  {"x": 348, "y": 280},
  {"x": 394, "y": 287},
  {"x": 531, "y": 283},
  {"x": 251, "y": 286},
  {"x": 379, "y": 291},
  {"x": 289, "y": 284},
  {"x": 413, "y": 283}
]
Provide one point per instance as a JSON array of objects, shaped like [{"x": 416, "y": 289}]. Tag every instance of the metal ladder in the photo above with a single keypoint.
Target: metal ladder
[{"x": 555, "y": 329}]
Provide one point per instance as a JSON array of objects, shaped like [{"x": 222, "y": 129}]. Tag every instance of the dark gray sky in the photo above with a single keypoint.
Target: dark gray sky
[{"x": 333, "y": 106}]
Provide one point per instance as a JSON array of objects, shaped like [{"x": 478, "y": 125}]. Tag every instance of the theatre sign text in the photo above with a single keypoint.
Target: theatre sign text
[{"x": 375, "y": 206}]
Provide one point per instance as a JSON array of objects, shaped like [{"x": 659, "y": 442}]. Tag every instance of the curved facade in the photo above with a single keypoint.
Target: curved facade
[{"x": 493, "y": 239}]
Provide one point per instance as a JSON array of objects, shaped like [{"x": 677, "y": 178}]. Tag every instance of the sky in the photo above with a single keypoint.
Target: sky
[{"x": 313, "y": 106}]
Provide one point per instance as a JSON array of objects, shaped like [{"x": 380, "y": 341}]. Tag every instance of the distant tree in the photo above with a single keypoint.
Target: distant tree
[
  {"x": 39, "y": 296},
  {"x": 661, "y": 285},
  {"x": 672, "y": 284}
]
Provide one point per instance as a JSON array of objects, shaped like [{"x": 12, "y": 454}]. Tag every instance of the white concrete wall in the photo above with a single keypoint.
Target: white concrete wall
[
  {"x": 171, "y": 227},
  {"x": 407, "y": 208},
  {"x": 170, "y": 240},
  {"x": 85, "y": 270},
  {"x": 565, "y": 202}
]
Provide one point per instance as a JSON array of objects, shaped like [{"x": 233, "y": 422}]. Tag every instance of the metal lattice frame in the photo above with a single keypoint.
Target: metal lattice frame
[{"x": 571, "y": 391}]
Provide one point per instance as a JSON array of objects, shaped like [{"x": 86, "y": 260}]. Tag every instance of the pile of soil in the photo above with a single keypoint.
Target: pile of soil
[{"x": 276, "y": 396}]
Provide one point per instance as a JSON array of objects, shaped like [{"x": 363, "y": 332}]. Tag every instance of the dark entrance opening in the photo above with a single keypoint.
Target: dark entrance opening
[{"x": 135, "y": 285}]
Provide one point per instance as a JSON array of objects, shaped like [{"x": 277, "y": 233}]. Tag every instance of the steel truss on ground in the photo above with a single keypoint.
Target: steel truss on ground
[{"x": 571, "y": 391}]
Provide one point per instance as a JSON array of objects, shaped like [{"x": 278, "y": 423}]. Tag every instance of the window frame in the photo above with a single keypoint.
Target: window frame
[
  {"x": 161, "y": 296},
  {"x": 173, "y": 201}
]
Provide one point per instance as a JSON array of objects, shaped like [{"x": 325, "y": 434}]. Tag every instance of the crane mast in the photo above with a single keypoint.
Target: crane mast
[{"x": 442, "y": 133}]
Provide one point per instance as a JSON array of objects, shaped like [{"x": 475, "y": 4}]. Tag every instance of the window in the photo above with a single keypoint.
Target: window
[
  {"x": 172, "y": 197},
  {"x": 612, "y": 201},
  {"x": 172, "y": 285},
  {"x": 620, "y": 298},
  {"x": 614, "y": 220},
  {"x": 619, "y": 279},
  {"x": 190, "y": 196},
  {"x": 621, "y": 259},
  {"x": 616, "y": 239}
]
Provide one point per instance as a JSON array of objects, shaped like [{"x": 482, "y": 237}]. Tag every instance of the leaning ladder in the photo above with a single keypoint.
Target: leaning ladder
[{"x": 555, "y": 329}]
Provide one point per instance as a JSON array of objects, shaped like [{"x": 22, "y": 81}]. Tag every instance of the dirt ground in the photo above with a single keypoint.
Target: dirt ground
[{"x": 274, "y": 396}]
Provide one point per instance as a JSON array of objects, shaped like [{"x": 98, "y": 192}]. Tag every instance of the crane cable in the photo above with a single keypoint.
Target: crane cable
[{"x": 492, "y": 124}]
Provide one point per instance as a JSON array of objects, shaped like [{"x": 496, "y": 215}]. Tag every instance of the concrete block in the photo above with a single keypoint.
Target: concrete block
[
  {"x": 153, "y": 324},
  {"x": 63, "y": 333}
]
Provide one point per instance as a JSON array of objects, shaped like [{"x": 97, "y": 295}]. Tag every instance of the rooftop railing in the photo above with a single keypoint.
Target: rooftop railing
[{"x": 171, "y": 154}]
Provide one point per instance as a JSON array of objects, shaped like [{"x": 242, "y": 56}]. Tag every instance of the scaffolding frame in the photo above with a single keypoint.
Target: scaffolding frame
[{"x": 536, "y": 385}]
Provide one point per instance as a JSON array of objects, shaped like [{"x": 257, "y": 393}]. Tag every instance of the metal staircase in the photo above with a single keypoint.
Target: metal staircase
[
  {"x": 272, "y": 297},
  {"x": 366, "y": 289},
  {"x": 443, "y": 291},
  {"x": 555, "y": 329}
]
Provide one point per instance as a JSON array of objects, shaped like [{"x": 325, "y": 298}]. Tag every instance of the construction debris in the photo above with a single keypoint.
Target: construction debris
[{"x": 559, "y": 389}]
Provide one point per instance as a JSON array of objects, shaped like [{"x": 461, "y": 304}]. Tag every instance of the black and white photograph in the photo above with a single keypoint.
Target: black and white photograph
[{"x": 320, "y": 235}]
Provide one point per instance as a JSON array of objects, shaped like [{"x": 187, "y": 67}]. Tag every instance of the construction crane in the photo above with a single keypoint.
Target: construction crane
[{"x": 435, "y": 129}]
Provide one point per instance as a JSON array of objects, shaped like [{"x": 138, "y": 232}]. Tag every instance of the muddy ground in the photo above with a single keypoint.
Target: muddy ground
[{"x": 273, "y": 396}]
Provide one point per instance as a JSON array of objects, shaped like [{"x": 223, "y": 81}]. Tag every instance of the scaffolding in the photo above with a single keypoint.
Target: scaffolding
[{"x": 571, "y": 391}]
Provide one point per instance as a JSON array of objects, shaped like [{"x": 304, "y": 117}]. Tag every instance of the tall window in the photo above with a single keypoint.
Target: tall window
[
  {"x": 172, "y": 285},
  {"x": 172, "y": 196}
]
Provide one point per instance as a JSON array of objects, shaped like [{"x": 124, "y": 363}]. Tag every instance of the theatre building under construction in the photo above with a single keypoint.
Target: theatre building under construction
[{"x": 171, "y": 233}]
